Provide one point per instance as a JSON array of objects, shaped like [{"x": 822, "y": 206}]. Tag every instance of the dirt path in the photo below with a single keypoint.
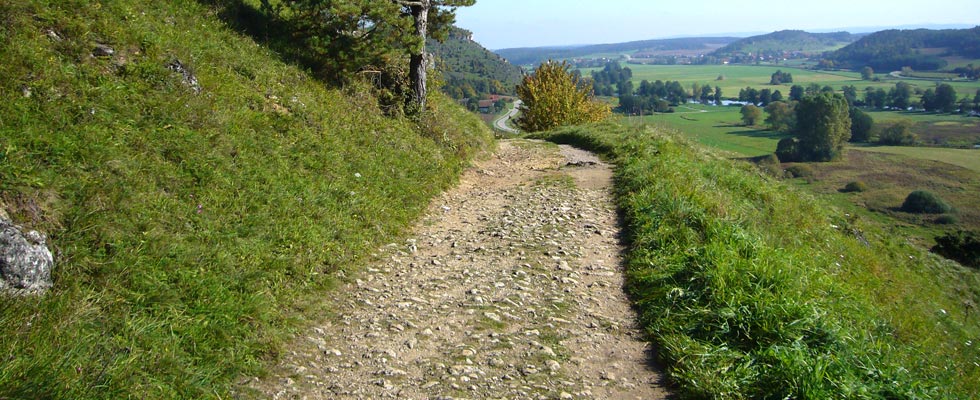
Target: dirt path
[{"x": 510, "y": 289}]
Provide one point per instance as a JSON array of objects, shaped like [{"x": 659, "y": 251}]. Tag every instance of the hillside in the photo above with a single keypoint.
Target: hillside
[
  {"x": 200, "y": 195},
  {"x": 469, "y": 69},
  {"x": 921, "y": 49},
  {"x": 787, "y": 41},
  {"x": 536, "y": 55}
]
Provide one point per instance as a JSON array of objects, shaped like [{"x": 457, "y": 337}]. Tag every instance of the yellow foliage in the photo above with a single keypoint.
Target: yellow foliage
[{"x": 552, "y": 96}]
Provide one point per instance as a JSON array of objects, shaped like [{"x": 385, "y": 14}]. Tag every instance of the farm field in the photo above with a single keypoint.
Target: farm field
[
  {"x": 740, "y": 76},
  {"x": 964, "y": 158},
  {"x": 717, "y": 127},
  {"x": 890, "y": 177},
  {"x": 938, "y": 129}
]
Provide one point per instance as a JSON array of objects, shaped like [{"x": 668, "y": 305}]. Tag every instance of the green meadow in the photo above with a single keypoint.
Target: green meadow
[{"x": 718, "y": 127}]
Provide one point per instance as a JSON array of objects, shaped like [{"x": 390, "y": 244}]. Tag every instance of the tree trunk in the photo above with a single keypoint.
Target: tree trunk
[{"x": 418, "y": 64}]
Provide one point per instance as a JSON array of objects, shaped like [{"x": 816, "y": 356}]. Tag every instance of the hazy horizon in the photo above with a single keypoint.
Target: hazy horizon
[{"x": 499, "y": 24}]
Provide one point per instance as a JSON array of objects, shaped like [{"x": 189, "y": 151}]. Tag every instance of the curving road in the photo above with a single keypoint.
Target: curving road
[{"x": 501, "y": 123}]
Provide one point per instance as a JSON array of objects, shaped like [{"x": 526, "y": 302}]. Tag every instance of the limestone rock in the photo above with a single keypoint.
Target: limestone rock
[
  {"x": 188, "y": 77},
  {"x": 102, "y": 50},
  {"x": 25, "y": 261}
]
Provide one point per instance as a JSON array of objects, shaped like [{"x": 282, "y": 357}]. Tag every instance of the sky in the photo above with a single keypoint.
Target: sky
[{"x": 498, "y": 24}]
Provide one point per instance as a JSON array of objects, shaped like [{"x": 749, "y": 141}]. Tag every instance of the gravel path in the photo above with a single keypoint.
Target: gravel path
[{"x": 510, "y": 289}]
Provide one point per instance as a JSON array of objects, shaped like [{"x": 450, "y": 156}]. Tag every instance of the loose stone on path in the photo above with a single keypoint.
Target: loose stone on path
[{"x": 509, "y": 288}]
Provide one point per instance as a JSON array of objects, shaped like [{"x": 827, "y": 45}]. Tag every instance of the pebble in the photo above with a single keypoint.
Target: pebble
[{"x": 502, "y": 247}]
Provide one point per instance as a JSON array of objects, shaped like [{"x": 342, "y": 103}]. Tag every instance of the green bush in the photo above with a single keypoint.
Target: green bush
[
  {"x": 799, "y": 171},
  {"x": 947, "y": 219},
  {"x": 923, "y": 202},
  {"x": 856, "y": 186},
  {"x": 788, "y": 150},
  {"x": 768, "y": 164},
  {"x": 897, "y": 133}
]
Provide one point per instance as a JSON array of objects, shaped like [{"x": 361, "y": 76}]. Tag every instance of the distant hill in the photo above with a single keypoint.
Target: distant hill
[
  {"x": 921, "y": 49},
  {"x": 471, "y": 70},
  {"x": 788, "y": 41},
  {"x": 536, "y": 55}
]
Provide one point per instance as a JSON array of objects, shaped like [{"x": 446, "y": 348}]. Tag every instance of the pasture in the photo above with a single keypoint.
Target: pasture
[
  {"x": 939, "y": 130},
  {"x": 891, "y": 173},
  {"x": 963, "y": 158},
  {"x": 718, "y": 127}
]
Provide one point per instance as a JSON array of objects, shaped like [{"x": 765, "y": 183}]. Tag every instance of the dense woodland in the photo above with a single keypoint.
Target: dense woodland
[
  {"x": 469, "y": 70},
  {"x": 920, "y": 49},
  {"x": 781, "y": 44}
]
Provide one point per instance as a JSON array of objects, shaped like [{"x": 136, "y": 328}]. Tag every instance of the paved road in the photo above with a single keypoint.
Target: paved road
[{"x": 502, "y": 122}]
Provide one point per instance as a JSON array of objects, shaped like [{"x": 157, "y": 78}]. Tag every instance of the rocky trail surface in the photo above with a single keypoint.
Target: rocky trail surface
[{"x": 511, "y": 288}]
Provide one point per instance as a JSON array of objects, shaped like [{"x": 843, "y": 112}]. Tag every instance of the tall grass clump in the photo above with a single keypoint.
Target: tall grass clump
[
  {"x": 924, "y": 202},
  {"x": 754, "y": 290},
  {"x": 195, "y": 223}
]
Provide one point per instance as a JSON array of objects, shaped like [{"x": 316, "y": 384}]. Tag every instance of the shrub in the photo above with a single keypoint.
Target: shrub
[
  {"x": 787, "y": 150},
  {"x": 751, "y": 114},
  {"x": 799, "y": 171},
  {"x": 769, "y": 164},
  {"x": 553, "y": 96},
  {"x": 898, "y": 133},
  {"x": 856, "y": 186},
  {"x": 770, "y": 159},
  {"x": 923, "y": 202},
  {"x": 962, "y": 246},
  {"x": 946, "y": 220}
]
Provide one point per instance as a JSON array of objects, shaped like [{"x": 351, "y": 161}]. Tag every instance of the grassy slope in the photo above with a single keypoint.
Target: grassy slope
[
  {"x": 193, "y": 231},
  {"x": 755, "y": 290}
]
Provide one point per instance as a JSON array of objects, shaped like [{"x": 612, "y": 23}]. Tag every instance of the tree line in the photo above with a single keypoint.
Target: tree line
[
  {"x": 818, "y": 117},
  {"x": 890, "y": 50}
]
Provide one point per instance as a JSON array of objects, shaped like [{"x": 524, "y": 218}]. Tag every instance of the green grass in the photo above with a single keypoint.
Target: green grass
[
  {"x": 956, "y": 62},
  {"x": 718, "y": 127},
  {"x": 943, "y": 130},
  {"x": 193, "y": 233},
  {"x": 969, "y": 159},
  {"x": 890, "y": 178},
  {"x": 753, "y": 289}
]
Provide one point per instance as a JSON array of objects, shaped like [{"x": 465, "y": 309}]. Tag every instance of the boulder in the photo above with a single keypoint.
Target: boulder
[
  {"x": 25, "y": 260},
  {"x": 102, "y": 50},
  {"x": 188, "y": 77}
]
